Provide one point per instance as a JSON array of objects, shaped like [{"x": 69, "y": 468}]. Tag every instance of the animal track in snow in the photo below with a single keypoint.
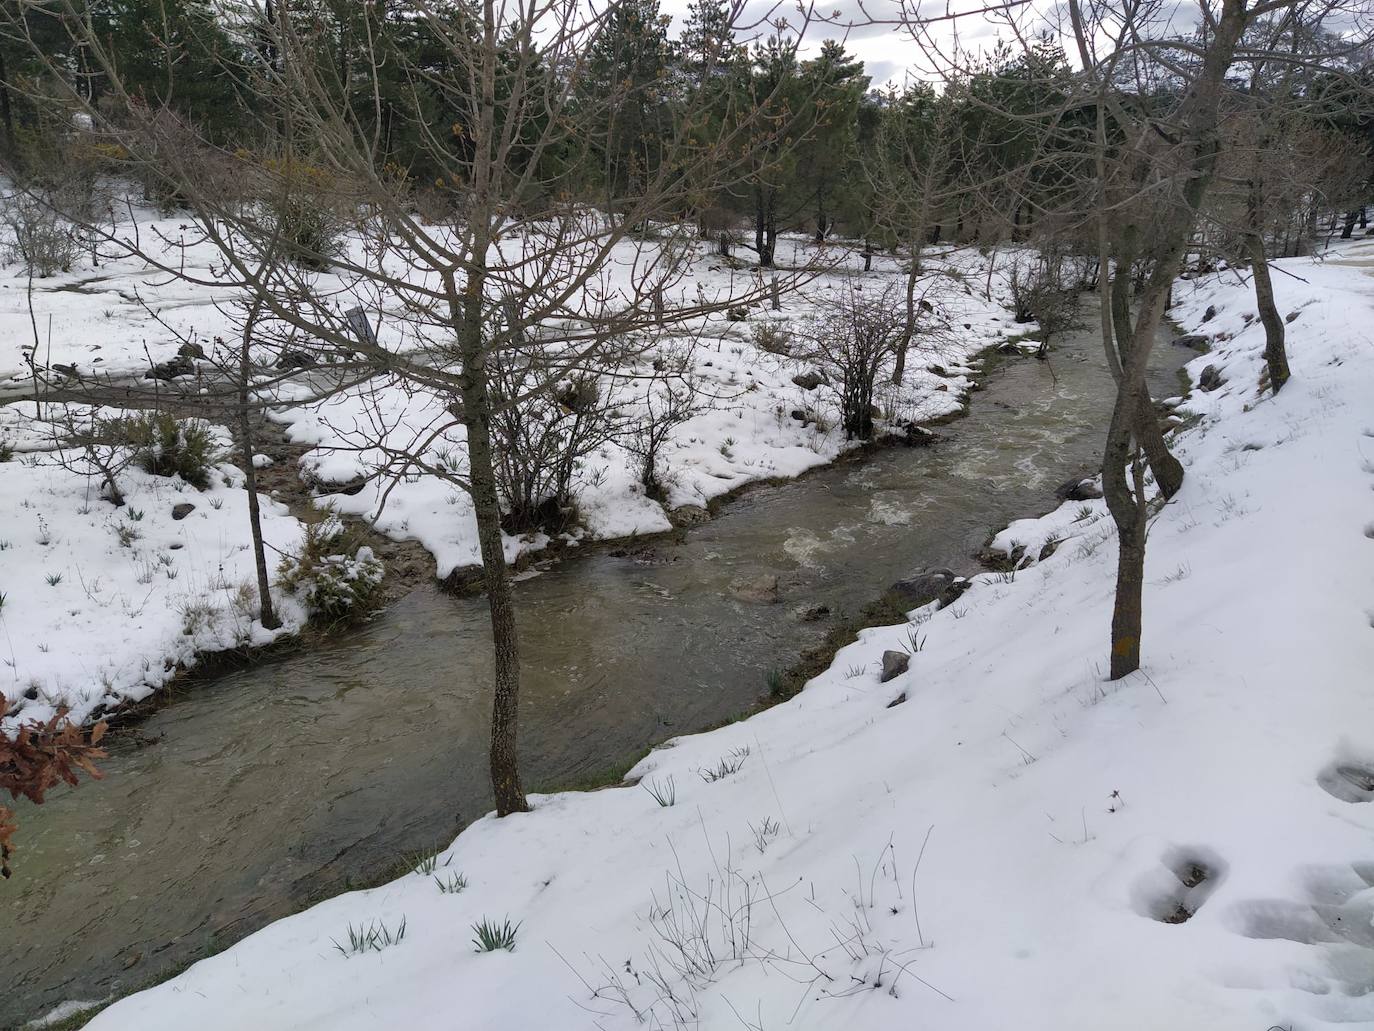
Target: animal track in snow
[
  {"x": 1348, "y": 781},
  {"x": 1175, "y": 890},
  {"x": 1335, "y": 920}
]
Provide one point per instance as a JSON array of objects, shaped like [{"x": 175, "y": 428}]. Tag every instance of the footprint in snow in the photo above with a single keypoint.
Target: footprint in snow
[
  {"x": 1334, "y": 920},
  {"x": 1176, "y": 889},
  {"x": 1348, "y": 781}
]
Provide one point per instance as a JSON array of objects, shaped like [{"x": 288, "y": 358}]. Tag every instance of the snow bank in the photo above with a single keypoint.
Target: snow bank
[
  {"x": 103, "y": 604},
  {"x": 1019, "y": 844}
]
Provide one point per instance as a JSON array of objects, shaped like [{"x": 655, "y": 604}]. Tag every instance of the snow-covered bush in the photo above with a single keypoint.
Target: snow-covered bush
[{"x": 336, "y": 578}]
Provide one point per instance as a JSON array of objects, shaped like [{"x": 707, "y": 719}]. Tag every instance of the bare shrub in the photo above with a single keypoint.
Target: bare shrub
[
  {"x": 40, "y": 240},
  {"x": 852, "y": 337}
]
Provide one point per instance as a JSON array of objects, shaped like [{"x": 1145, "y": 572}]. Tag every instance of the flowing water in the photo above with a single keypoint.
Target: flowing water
[{"x": 265, "y": 788}]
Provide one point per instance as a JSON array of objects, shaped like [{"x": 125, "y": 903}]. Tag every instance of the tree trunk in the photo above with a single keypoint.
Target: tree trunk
[
  {"x": 1275, "y": 355},
  {"x": 1127, "y": 607},
  {"x": 267, "y": 611},
  {"x": 504, "y": 757},
  {"x": 6, "y": 113},
  {"x": 913, "y": 275},
  {"x": 1349, "y": 227}
]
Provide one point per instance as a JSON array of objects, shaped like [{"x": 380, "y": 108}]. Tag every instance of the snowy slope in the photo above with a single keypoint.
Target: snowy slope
[{"x": 1008, "y": 847}]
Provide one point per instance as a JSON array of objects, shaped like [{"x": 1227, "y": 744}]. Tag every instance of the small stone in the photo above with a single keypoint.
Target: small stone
[
  {"x": 171, "y": 369},
  {"x": 808, "y": 380},
  {"x": 296, "y": 360},
  {"x": 182, "y": 510},
  {"x": 926, "y": 586},
  {"x": 896, "y": 701},
  {"x": 190, "y": 349},
  {"x": 894, "y": 665},
  {"x": 1210, "y": 314},
  {"x": 738, "y": 313},
  {"x": 1290, "y": 316}
]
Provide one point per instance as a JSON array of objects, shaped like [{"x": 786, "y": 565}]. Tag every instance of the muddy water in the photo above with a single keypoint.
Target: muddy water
[{"x": 268, "y": 787}]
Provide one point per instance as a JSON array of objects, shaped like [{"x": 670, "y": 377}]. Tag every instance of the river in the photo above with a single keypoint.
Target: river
[{"x": 265, "y": 788}]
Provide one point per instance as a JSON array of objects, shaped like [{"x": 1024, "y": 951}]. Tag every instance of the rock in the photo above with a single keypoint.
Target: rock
[
  {"x": 1051, "y": 546},
  {"x": 808, "y": 380},
  {"x": 1290, "y": 316},
  {"x": 937, "y": 370},
  {"x": 1211, "y": 378},
  {"x": 737, "y": 314},
  {"x": 171, "y": 369},
  {"x": 896, "y": 701},
  {"x": 182, "y": 510},
  {"x": 763, "y": 589},
  {"x": 1196, "y": 341},
  {"x": 810, "y": 613},
  {"x": 1078, "y": 489},
  {"x": 1210, "y": 314},
  {"x": 800, "y": 415},
  {"x": 912, "y": 435},
  {"x": 689, "y": 515},
  {"x": 69, "y": 371},
  {"x": 190, "y": 349},
  {"x": 894, "y": 665},
  {"x": 296, "y": 360},
  {"x": 1007, "y": 347},
  {"x": 261, "y": 461},
  {"x": 926, "y": 586}
]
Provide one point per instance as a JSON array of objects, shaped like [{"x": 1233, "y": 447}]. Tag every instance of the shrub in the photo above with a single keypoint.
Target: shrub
[
  {"x": 164, "y": 445},
  {"x": 335, "y": 577},
  {"x": 41, "y": 240},
  {"x": 772, "y": 337},
  {"x": 300, "y": 201}
]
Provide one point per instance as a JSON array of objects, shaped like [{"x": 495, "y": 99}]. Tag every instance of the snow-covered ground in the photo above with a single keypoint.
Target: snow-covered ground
[
  {"x": 1020, "y": 843},
  {"x": 743, "y": 432},
  {"x": 103, "y": 604}
]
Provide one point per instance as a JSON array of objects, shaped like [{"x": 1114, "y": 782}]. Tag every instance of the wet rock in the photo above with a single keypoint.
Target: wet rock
[
  {"x": 894, "y": 665},
  {"x": 689, "y": 515},
  {"x": 810, "y": 613},
  {"x": 296, "y": 360},
  {"x": 182, "y": 510},
  {"x": 1211, "y": 378},
  {"x": 190, "y": 349},
  {"x": 926, "y": 586},
  {"x": 1196, "y": 341},
  {"x": 1000, "y": 561},
  {"x": 910, "y": 434},
  {"x": 763, "y": 590},
  {"x": 1078, "y": 488},
  {"x": 171, "y": 369},
  {"x": 808, "y": 380}
]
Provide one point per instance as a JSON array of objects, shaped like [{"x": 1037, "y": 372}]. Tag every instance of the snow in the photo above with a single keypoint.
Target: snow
[
  {"x": 744, "y": 433},
  {"x": 997, "y": 851},
  {"x": 102, "y": 605}
]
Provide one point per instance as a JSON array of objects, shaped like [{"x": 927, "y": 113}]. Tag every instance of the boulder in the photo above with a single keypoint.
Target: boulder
[
  {"x": 171, "y": 369},
  {"x": 926, "y": 586},
  {"x": 182, "y": 509},
  {"x": 1078, "y": 488},
  {"x": 894, "y": 665},
  {"x": 763, "y": 590},
  {"x": 296, "y": 360},
  {"x": 689, "y": 515},
  {"x": 1211, "y": 378},
  {"x": 808, "y": 380},
  {"x": 1196, "y": 341}
]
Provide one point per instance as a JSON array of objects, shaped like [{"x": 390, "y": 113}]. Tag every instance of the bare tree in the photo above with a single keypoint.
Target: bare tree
[{"x": 515, "y": 270}]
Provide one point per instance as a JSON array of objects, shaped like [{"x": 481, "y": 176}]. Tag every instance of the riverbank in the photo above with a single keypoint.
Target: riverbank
[{"x": 1018, "y": 841}]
